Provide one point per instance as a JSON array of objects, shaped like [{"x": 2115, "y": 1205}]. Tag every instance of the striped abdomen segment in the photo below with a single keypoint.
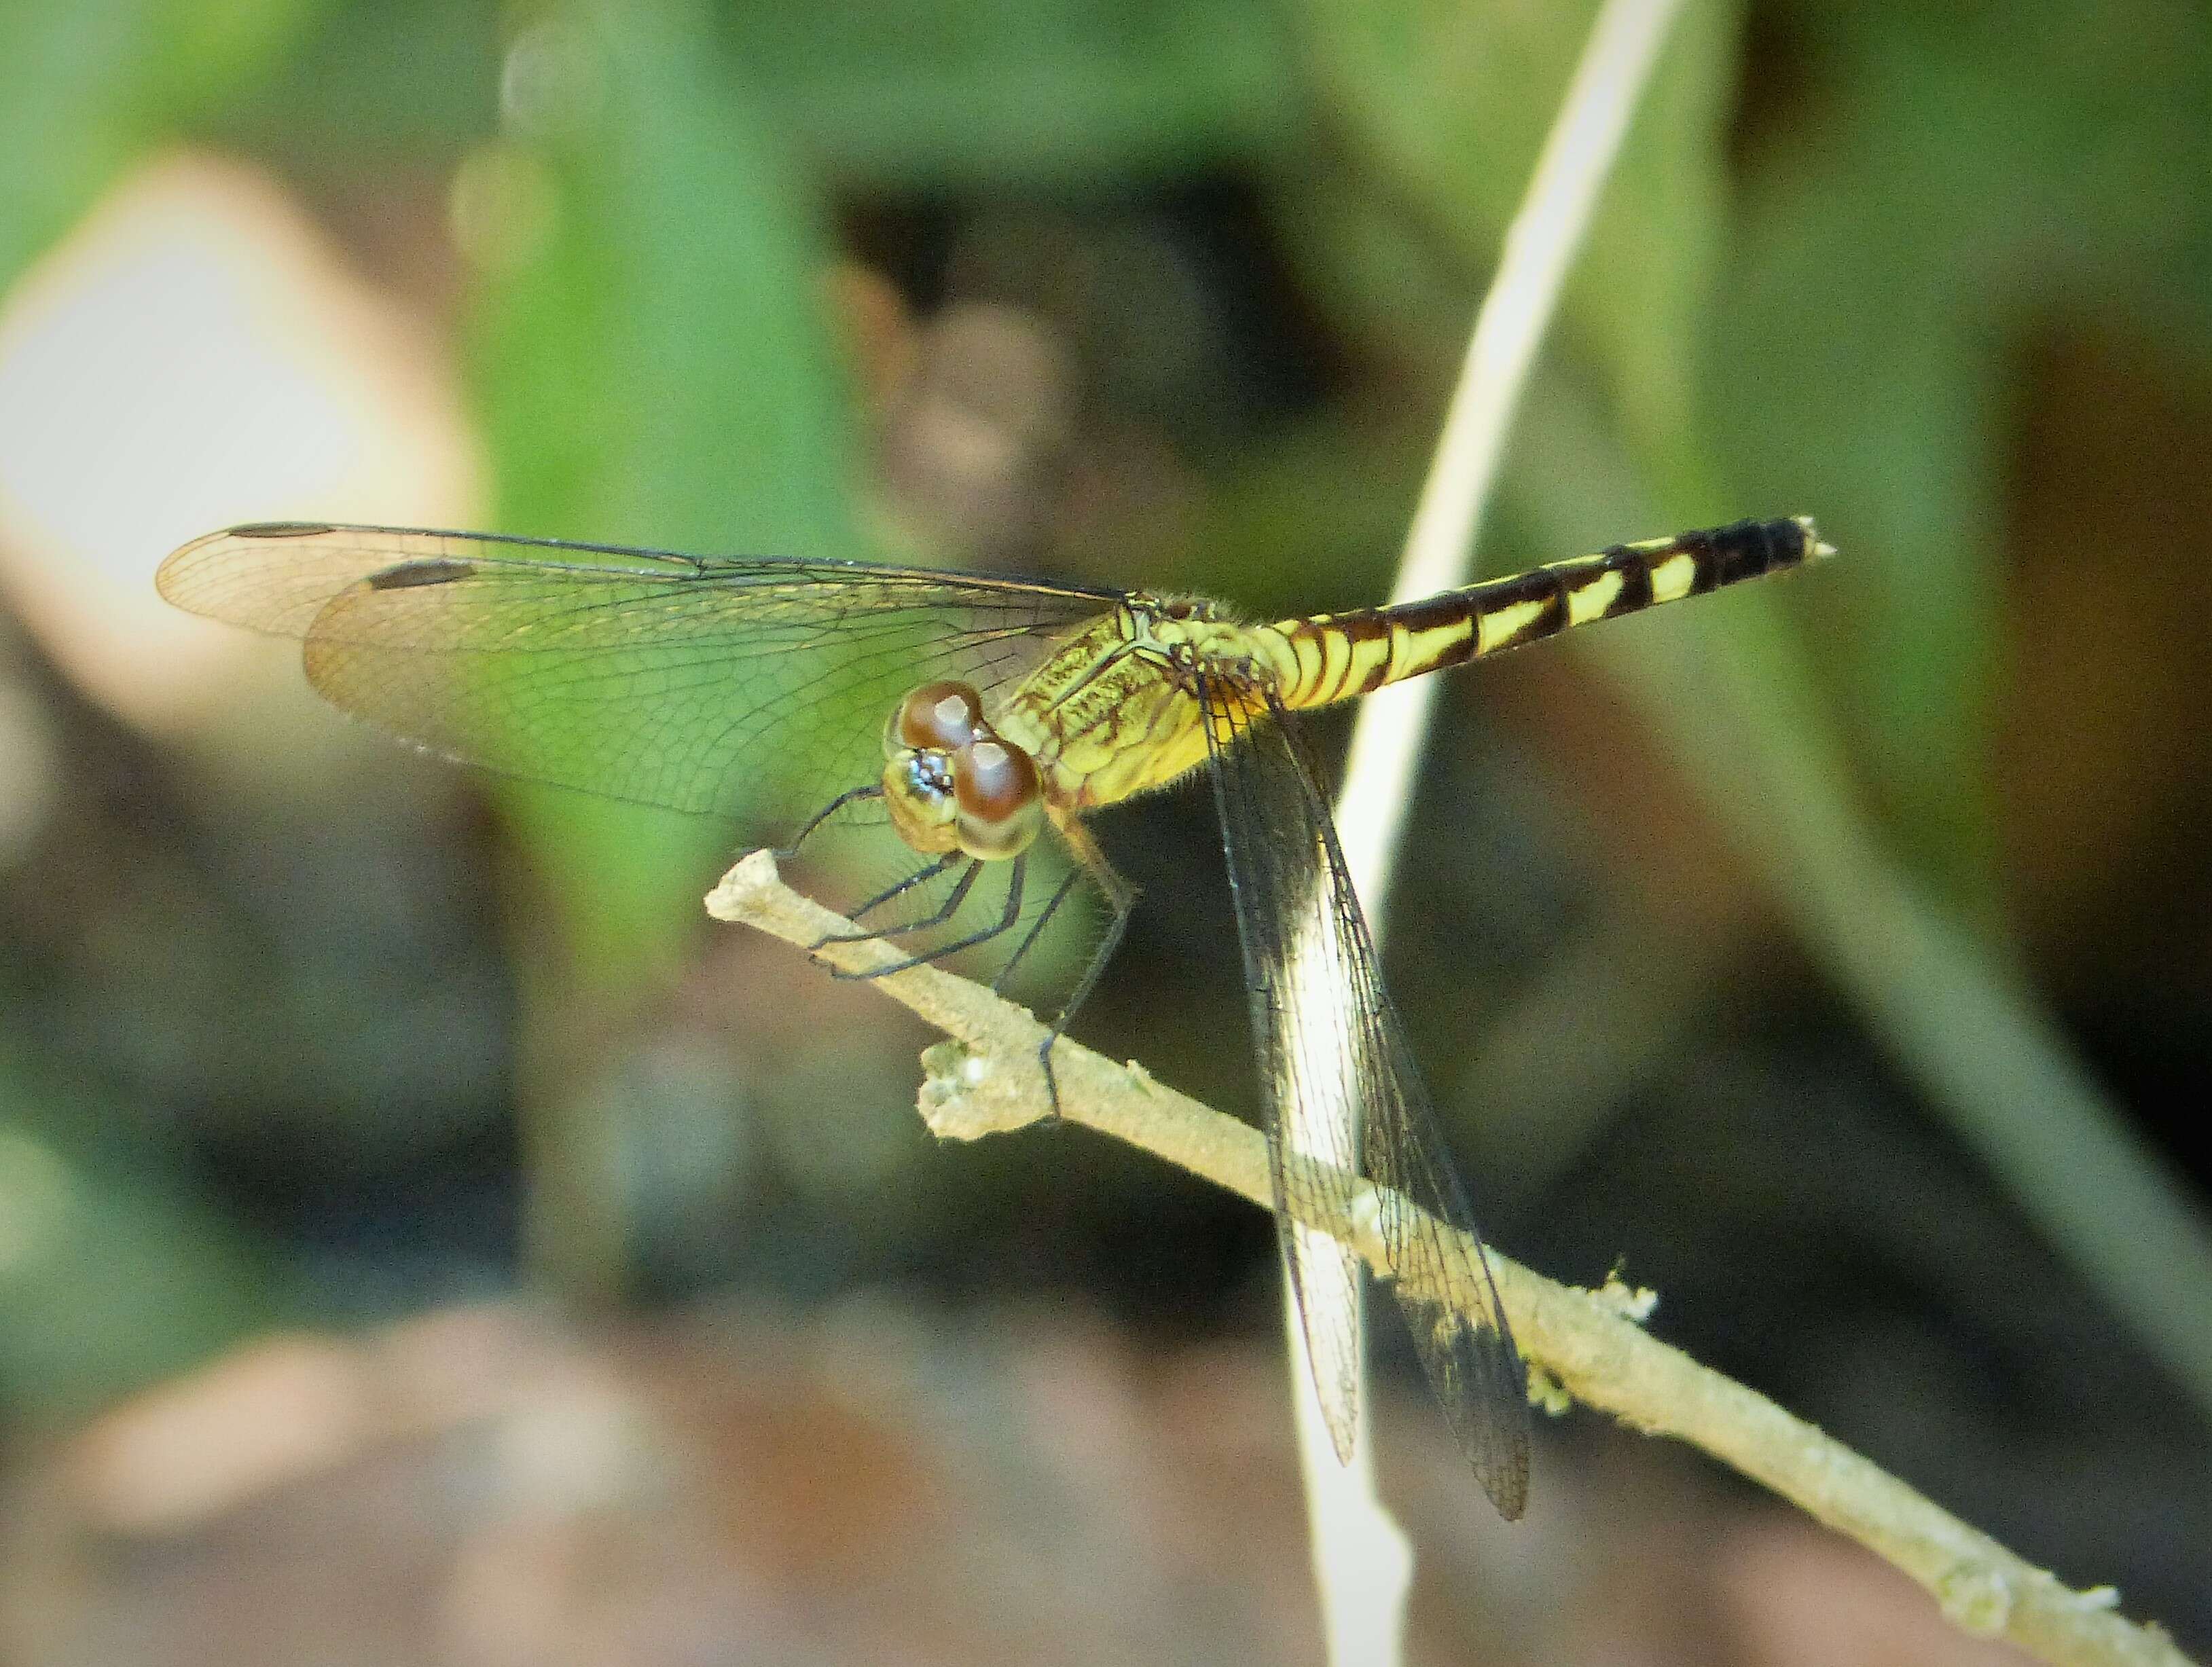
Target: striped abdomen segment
[{"x": 1342, "y": 655}]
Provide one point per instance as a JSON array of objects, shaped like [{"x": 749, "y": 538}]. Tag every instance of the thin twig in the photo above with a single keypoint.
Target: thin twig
[{"x": 987, "y": 1081}]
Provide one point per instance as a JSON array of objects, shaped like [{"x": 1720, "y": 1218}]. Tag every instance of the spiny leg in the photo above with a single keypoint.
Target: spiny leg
[
  {"x": 1003, "y": 923},
  {"x": 1037, "y": 930},
  {"x": 920, "y": 877},
  {"x": 1122, "y": 898},
  {"x": 951, "y": 906},
  {"x": 784, "y": 853}
]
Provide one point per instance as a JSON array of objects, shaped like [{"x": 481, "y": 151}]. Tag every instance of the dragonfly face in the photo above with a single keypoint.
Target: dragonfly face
[
  {"x": 952, "y": 784},
  {"x": 730, "y": 688}
]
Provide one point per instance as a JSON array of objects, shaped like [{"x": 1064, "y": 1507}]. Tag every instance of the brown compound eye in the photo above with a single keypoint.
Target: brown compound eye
[
  {"x": 1001, "y": 804},
  {"x": 936, "y": 718}
]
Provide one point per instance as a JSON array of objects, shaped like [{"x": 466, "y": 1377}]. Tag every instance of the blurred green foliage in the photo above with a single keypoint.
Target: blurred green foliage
[
  {"x": 1974, "y": 172},
  {"x": 91, "y": 89},
  {"x": 888, "y": 96},
  {"x": 112, "y": 1272},
  {"x": 1807, "y": 289},
  {"x": 660, "y": 363}
]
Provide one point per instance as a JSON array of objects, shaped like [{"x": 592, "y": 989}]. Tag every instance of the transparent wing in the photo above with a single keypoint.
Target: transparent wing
[
  {"x": 1329, "y": 1037},
  {"x": 755, "y": 690}
]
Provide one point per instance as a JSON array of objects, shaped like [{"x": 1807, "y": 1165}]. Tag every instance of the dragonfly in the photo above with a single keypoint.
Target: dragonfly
[{"x": 976, "y": 715}]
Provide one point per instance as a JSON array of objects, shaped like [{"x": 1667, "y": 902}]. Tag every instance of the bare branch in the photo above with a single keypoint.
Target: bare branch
[{"x": 986, "y": 1080}]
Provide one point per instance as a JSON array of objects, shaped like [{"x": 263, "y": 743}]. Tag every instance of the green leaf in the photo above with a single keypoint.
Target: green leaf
[
  {"x": 909, "y": 94},
  {"x": 656, "y": 370},
  {"x": 1943, "y": 183},
  {"x": 112, "y": 1275},
  {"x": 87, "y": 88}
]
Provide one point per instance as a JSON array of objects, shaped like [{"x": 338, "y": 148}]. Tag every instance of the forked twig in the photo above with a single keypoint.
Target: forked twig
[{"x": 985, "y": 1081}]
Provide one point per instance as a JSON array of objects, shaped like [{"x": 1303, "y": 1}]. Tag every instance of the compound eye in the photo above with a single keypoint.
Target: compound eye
[
  {"x": 937, "y": 718},
  {"x": 1002, "y": 805}
]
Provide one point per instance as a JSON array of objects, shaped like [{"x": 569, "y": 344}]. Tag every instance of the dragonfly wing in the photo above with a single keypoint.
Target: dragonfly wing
[
  {"x": 755, "y": 690},
  {"x": 1330, "y": 1042}
]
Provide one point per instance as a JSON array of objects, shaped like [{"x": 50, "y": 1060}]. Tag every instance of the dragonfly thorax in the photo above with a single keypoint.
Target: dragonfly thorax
[{"x": 952, "y": 783}]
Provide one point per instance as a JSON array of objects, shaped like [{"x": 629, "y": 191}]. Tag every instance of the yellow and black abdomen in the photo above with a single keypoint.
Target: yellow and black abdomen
[{"x": 1342, "y": 655}]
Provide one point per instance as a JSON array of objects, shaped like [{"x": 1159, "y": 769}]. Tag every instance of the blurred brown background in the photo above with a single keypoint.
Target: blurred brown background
[{"x": 423, "y": 1239}]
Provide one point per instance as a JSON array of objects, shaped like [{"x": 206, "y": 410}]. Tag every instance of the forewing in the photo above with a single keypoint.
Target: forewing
[
  {"x": 1328, "y": 1039},
  {"x": 755, "y": 690}
]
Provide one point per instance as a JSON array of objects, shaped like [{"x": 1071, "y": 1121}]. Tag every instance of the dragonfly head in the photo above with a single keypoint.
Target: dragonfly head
[{"x": 951, "y": 782}]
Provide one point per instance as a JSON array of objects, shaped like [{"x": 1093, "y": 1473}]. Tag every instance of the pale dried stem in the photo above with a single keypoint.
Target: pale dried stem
[{"x": 1361, "y": 1560}]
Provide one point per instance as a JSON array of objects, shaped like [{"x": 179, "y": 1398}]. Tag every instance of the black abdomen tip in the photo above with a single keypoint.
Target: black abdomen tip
[{"x": 1746, "y": 549}]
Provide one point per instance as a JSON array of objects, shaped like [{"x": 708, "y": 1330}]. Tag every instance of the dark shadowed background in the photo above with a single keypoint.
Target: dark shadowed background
[{"x": 422, "y": 1238}]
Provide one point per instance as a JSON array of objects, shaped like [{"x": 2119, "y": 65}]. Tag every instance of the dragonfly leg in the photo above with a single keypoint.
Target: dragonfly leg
[
  {"x": 1003, "y": 923},
  {"x": 1121, "y": 899},
  {"x": 920, "y": 877},
  {"x": 784, "y": 853},
  {"x": 1036, "y": 930},
  {"x": 950, "y": 908}
]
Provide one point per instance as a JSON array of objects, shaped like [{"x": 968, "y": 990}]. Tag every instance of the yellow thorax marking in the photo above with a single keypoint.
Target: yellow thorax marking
[{"x": 1109, "y": 713}]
